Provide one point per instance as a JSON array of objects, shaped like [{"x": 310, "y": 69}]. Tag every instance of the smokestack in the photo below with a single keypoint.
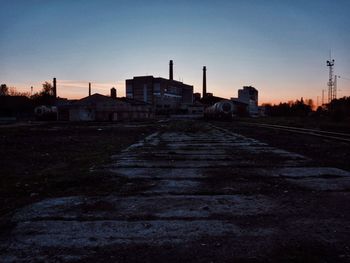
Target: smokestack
[
  {"x": 204, "y": 82},
  {"x": 89, "y": 89},
  {"x": 54, "y": 89},
  {"x": 171, "y": 70},
  {"x": 113, "y": 93}
]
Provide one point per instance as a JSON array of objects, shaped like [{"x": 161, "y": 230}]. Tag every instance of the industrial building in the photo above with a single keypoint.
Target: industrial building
[
  {"x": 166, "y": 95},
  {"x": 98, "y": 107},
  {"x": 249, "y": 96},
  {"x": 208, "y": 99},
  {"x": 217, "y": 107},
  {"x": 245, "y": 105}
]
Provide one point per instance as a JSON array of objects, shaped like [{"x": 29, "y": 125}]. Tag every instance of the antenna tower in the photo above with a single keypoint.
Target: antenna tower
[
  {"x": 332, "y": 90},
  {"x": 335, "y": 87}
]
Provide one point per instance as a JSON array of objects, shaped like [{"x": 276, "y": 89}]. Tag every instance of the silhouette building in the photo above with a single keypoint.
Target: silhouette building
[
  {"x": 249, "y": 96},
  {"x": 97, "y": 107},
  {"x": 164, "y": 94}
]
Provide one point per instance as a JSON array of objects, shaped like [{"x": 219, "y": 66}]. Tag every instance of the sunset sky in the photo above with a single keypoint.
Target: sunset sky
[{"x": 278, "y": 46}]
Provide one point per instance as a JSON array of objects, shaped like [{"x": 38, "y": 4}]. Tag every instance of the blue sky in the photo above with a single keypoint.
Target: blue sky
[{"x": 280, "y": 47}]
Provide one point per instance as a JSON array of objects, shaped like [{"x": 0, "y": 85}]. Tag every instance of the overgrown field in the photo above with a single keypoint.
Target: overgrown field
[{"x": 52, "y": 159}]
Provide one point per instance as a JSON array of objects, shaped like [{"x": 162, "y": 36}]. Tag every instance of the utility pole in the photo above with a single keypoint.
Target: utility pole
[
  {"x": 335, "y": 87},
  {"x": 331, "y": 91},
  {"x": 322, "y": 97}
]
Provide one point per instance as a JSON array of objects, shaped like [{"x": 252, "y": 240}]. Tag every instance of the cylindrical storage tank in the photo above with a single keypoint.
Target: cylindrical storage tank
[{"x": 221, "y": 110}]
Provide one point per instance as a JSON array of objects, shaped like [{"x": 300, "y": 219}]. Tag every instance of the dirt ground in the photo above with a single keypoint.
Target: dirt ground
[
  {"x": 324, "y": 152},
  {"x": 177, "y": 191},
  {"x": 41, "y": 160}
]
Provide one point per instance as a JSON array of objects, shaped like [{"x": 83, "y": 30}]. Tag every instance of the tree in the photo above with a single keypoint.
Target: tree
[
  {"x": 339, "y": 109},
  {"x": 45, "y": 96},
  {"x": 11, "y": 91},
  {"x": 4, "y": 90},
  {"x": 47, "y": 89},
  {"x": 300, "y": 109},
  {"x": 295, "y": 109},
  {"x": 310, "y": 103}
]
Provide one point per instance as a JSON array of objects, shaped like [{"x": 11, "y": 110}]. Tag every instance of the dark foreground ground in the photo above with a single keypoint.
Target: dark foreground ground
[
  {"x": 42, "y": 160},
  {"x": 325, "y": 152},
  {"x": 183, "y": 192}
]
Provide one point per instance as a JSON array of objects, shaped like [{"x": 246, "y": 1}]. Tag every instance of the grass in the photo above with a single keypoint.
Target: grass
[
  {"x": 51, "y": 160},
  {"x": 324, "y": 123}
]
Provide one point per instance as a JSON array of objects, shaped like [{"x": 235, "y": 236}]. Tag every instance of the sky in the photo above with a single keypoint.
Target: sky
[{"x": 278, "y": 46}]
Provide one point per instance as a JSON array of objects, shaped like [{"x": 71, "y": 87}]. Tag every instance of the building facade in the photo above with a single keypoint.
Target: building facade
[
  {"x": 249, "y": 95},
  {"x": 98, "y": 107},
  {"x": 163, "y": 94}
]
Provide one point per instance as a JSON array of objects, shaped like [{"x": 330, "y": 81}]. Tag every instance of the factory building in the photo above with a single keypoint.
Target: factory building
[
  {"x": 97, "y": 107},
  {"x": 245, "y": 105},
  {"x": 166, "y": 95},
  {"x": 249, "y": 96},
  {"x": 208, "y": 99}
]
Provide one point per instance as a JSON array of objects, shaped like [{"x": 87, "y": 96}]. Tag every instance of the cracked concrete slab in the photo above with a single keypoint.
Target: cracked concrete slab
[
  {"x": 323, "y": 184},
  {"x": 38, "y": 236},
  {"x": 81, "y": 208},
  {"x": 173, "y": 163},
  {"x": 198, "y": 186},
  {"x": 158, "y": 173},
  {"x": 300, "y": 172}
]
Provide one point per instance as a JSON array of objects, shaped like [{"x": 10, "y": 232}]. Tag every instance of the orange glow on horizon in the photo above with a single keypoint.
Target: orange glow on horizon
[
  {"x": 77, "y": 89},
  {"x": 72, "y": 89}
]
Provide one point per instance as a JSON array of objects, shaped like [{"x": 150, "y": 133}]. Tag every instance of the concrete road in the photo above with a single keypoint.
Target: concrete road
[{"x": 206, "y": 196}]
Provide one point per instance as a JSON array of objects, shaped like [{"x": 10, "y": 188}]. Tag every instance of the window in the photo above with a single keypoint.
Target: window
[
  {"x": 129, "y": 91},
  {"x": 156, "y": 89},
  {"x": 145, "y": 92}
]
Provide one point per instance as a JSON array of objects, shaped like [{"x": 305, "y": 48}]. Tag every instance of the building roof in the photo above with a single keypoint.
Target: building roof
[
  {"x": 97, "y": 98},
  {"x": 250, "y": 88},
  {"x": 174, "y": 81},
  {"x": 160, "y": 79},
  {"x": 211, "y": 100},
  {"x": 134, "y": 102}
]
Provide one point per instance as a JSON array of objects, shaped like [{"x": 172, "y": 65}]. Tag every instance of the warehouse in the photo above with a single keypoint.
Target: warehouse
[{"x": 98, "y": 107}]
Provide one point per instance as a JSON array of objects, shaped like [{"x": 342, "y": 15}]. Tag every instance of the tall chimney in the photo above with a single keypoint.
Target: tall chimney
[
  {"x": 89, "y": 89},
  {"x": 54, "y": 89},
  {"x": 204, "y": 82},
  {"x": 113, "y": 93},
  {"x": 171, "y": 70}
]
